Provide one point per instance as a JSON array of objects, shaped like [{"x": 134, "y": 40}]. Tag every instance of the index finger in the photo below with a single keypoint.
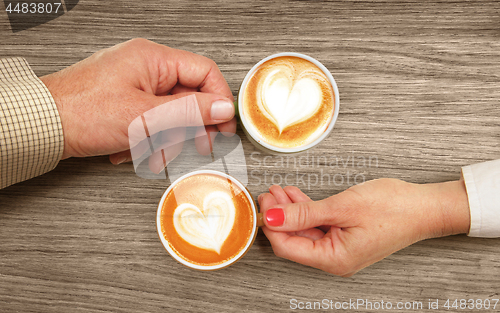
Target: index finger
[
  {"x": 279, "y": 194},
  {"x": 292, "y": 246},
  {"x": 295, "y": 194}
]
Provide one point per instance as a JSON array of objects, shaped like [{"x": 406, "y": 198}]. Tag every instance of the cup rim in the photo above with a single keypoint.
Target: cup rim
[
  {"x": 240, "y": 254},
  {"x": 266, "y": 145}
]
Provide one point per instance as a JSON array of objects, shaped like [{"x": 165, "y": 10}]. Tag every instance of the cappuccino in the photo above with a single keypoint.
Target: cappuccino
[
  {"x": 288, "y": 102},
  {"x": 207, "y": 220}
]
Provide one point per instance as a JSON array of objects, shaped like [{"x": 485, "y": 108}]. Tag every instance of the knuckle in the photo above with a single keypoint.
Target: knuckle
[
  {"x": 280, "y": 253},
  {"x": 213, "y": 68},
  {"x": 138, "y": 42},
  {"x": 291, "y": 188},
  {"x": 338, "y": 272},
  {"x": 348, "y": 275},
  {"x": 303, "y": 215},
  {"x": 343, "y": 268},
  {"x": 135, "y": 45},
  {"x": 338, "y": 265},
  {"x": 210, "y": 62}
]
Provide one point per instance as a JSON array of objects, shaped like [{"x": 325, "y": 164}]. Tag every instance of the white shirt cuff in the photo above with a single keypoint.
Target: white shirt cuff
[{"x": 482, "y": 182}]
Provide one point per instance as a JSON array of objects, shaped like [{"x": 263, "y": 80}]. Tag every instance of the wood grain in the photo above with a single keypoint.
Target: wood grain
[{"x": 419, "y": 93}]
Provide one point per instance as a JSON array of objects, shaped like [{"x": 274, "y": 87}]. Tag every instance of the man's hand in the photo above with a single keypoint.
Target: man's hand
[
  {"x": 100, "y": 96},
  {"x": 362, "y": 225}
]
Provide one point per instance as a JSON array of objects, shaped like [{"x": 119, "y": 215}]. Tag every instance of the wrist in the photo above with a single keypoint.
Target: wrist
[
  {"x": 448, "y": 207},
  {"x": 51, "y": 84}
]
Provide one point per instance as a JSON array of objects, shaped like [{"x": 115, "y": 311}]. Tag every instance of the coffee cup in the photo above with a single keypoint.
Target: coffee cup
[
  {"x": 207, "y": 220},
  {"x": 288, "y": 103}
]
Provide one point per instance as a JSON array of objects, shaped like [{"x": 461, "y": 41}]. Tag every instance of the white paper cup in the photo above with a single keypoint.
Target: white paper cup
[
  {"x": 257, "y": 221},
  {"x": 254, "y": 138}
]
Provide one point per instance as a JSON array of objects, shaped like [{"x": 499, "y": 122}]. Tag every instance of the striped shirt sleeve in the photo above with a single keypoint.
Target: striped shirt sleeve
[{"x": 31, "y": 135}]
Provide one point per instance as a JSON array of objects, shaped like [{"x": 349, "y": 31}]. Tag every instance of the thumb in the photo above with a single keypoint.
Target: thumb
[
  {"x": 187, "y": 109},
  {"x": 300, "y": 216}
]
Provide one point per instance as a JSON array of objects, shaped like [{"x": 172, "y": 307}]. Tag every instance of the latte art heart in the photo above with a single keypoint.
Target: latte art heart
[
  {"x": 208, "y": 227},
  {"x": 289, "y": 100}
]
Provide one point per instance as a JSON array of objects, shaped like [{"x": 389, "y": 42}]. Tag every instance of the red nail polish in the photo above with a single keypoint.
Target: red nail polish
[{"x": 275, "y": 217}]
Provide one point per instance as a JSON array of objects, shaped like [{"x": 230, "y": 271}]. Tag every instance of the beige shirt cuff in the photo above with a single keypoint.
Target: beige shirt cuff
[{"x": 31, "y": 135}]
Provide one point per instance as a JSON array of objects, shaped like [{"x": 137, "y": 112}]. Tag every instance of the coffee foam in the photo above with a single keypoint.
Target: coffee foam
[
  {"x": 288, "y": 102},
  {"x": 206, "y": 227},
  {"x": 206, "y": 219}
]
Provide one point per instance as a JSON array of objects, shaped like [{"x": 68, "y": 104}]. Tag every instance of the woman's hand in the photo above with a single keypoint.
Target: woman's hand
[{"x": 362, "y": 225}]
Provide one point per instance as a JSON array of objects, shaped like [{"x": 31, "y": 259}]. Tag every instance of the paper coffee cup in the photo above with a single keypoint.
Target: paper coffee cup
[
  {"x": 255, "y": 221},
  {"x": 252, "y": 134}
]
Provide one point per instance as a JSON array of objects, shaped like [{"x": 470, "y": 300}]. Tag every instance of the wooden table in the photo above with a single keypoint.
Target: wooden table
[{"x": 419, "y": 87}]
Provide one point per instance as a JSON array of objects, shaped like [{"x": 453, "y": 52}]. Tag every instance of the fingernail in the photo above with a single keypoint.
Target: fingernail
[
  {"x": 222, "y": 110},
  {"x": 275, "y": 217},
  {"x": 121, "y": 160}
]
